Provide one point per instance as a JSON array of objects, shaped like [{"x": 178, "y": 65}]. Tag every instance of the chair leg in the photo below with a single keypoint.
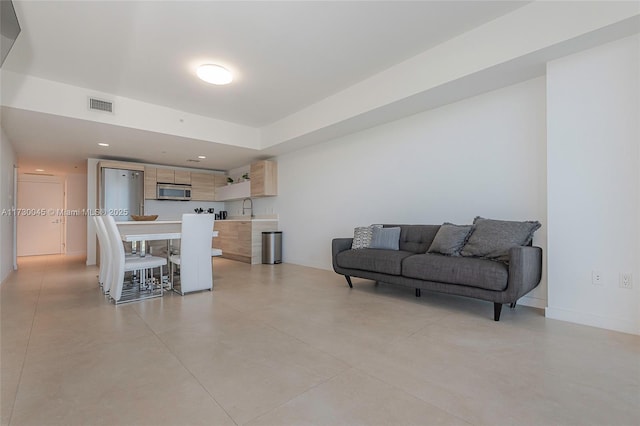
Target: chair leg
[
  {"x": 143, "y": 274},
  {"x": 349, "y": 281},
  {"x": 512, "y": 305},
  {"x": 418, "y": 294},
  {"x": 497, "y": 308},
  {"x": 171, "y": 274}
]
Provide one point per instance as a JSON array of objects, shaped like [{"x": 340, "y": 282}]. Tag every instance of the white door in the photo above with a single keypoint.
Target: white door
[{"x": 39, "y": 225}]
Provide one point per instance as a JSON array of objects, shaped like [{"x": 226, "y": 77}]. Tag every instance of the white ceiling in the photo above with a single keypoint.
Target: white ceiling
[{"x": 285, "y": 56}]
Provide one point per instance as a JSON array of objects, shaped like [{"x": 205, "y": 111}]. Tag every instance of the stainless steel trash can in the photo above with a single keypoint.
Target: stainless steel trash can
[{"x": 272, "y": 247}]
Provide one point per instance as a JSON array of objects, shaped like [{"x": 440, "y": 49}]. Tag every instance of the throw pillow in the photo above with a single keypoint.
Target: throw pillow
[
  {"x": 492, "y": 239},
  {"x": 449, "y": 239},
  {"x": 386, "y": 238},
  {"x": 362, "y": 236}
]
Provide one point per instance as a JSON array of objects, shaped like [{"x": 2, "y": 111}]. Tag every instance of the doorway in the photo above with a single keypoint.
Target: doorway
[{"x": 40, "y": 221}]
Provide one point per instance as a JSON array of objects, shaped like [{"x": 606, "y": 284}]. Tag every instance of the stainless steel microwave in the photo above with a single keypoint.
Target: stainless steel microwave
[{"x": 166, "y": 191}]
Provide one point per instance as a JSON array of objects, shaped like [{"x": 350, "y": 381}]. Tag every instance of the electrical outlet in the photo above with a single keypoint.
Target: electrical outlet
[
  {"x": 596, "y": 278},
  {"x": 626, "y": 280}
]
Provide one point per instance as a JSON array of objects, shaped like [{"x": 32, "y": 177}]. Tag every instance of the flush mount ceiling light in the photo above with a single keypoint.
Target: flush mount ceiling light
[
  {"x": 103, "y": 144},
  {"x": 214, "y": 74},
  {"x": 39, "y": 170},
  {"x": 202, "y": 157}
]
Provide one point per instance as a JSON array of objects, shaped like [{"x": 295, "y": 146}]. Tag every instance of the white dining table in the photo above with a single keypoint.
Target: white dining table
[{"x": 142, "y": 231}]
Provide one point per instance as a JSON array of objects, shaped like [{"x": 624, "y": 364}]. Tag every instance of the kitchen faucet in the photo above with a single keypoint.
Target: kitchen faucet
[{"x": 250, "y": 208}]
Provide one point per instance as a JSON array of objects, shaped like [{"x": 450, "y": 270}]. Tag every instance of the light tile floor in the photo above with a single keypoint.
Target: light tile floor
[{"x": 290, "y": 345}]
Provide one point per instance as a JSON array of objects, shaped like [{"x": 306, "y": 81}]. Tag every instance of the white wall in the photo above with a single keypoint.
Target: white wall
[
  {"x": 481, "y": 156},
  {"x": 594, "y": 185},
  {"x": 92, "y": 196},
  {"x": 76, "y": 226},
  {"x": 7, "y": 246}
]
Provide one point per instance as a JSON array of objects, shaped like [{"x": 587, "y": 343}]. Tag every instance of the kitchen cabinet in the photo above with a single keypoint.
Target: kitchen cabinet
[
  {"x": 202, "y": 187},
  {"x": 263, "y": 183},
  {"x": 234, "y": 239},
  {"x": 219, "y": 180},
  {"x": 242, "y": 239},
  {"x": 182, "y": 177},
  {"x": 150, "y": 183},
  {"x": 165, "y": 176},
  {"x": 264, "y": 178}
]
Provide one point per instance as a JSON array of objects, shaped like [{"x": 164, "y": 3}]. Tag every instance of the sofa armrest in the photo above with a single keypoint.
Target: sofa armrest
[
  {"x": 525, "y": 271},
  {"x": 339, "y": 245}
]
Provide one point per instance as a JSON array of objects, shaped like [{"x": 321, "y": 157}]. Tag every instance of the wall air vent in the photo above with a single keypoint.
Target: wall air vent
[{"x": 100, "y": 105}]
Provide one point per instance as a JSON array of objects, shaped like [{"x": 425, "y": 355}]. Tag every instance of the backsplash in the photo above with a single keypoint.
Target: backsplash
[{"x": 173, "y": 210}]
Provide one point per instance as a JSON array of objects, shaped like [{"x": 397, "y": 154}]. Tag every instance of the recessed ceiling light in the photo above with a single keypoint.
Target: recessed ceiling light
[
  {"x": 214, "y": 74},
  {"x": 39, "y": 170},
  {"x": 103, "y": 144},
  {"x": 202, "y": 157}
]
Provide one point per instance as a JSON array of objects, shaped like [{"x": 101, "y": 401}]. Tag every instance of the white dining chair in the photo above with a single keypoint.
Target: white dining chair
[
  {"x": 121, "y": 264},
  {"x": 104, "y": 276},
  {"x": 194, "y": 260}
]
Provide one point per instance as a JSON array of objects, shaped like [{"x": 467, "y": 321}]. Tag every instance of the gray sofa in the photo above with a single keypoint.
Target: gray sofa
[{"x": 411, "y": 266}]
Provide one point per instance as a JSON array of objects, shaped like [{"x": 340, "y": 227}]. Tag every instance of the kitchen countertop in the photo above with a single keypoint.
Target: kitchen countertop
[
  {"x": 257, "y": 218},
  {"x": 247, "y": 220},
  {"x": 148, "y": 222}
]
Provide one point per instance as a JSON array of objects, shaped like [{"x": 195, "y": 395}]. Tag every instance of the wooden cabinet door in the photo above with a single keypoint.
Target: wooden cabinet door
[
  {"x": 234, "y": 239},
  {"x": 218, "y": 182},
  {"x": 165, "y": 176},
  {"x": 182, "y": 177},
  {"x": 150, "y": 183},
  {"x": 264, "y": 178},
  {"x": 202, "y": 187}
]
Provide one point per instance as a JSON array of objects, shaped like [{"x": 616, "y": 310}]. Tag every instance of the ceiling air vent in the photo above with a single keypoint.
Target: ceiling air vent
[{"x": 100, "y": 105}]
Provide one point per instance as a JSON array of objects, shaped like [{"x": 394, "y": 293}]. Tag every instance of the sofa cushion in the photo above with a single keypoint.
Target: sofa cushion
[
  {"x": 362, "y": 236},
  {"x": 450, "y": 239},
  {"x": 373, "y": 260},
  {"x": 416, "y": 238},
  {"x": 472, "y": 272},
  {"x": 493, "y": 238},
  {"x": 385, "y": 238}
]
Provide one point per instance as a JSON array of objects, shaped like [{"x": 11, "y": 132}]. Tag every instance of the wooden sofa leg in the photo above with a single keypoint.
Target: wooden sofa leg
[
  {"x": 349, "y": 281},
  {"x": 497, "y": 308},
  {"x": 417, "y": 292}
]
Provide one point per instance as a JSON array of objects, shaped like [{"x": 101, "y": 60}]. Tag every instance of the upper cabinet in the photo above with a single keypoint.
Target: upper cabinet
[
  {"x": 165, "y": 176},
  {"x": 264, "y": 178},
  {"x": 150, "y": 181},
  {"x": 182, "y": 177},
  {"x": 209, "y": 186},
  {"x": 263, "y": 182},
  {"x": 202, "y": 187}
]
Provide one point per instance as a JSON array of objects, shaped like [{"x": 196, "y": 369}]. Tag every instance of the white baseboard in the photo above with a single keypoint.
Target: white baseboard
[
  {"x": 592, "y": 320},
  {"x": 533, "y": 302},
  {"x": 76, "y": 253}
]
